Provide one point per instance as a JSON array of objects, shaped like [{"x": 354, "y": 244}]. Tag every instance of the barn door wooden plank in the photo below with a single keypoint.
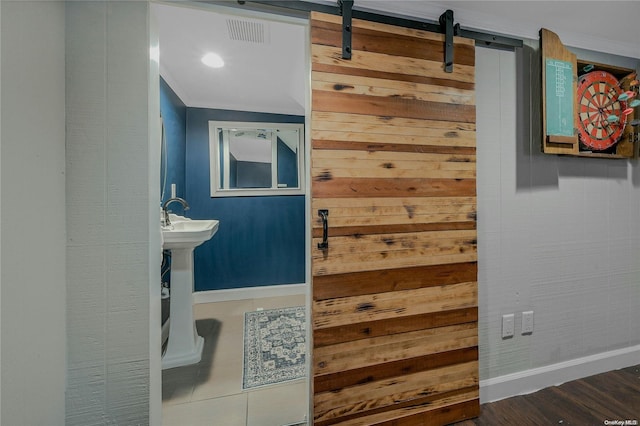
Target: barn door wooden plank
[{"x": 394, "y": 311}]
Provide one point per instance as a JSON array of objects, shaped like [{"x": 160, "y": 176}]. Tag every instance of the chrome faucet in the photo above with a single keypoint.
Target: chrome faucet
[{"x": 165, "y": 213}]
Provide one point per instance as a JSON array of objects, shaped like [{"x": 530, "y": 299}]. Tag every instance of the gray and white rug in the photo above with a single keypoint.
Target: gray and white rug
[{"x": 274, "y": 346}]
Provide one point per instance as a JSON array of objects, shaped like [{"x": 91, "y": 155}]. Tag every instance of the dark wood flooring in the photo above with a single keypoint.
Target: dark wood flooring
[{"x": 611, "y": 396}]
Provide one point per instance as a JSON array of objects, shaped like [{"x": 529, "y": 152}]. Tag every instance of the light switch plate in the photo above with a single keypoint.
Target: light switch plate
[
  {"x": 508, "y": 325},
  {"x": 527, "y": 322}
]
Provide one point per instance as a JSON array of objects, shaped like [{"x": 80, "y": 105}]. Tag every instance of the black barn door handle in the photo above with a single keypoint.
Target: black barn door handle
[{"x": 324, "y": 245}]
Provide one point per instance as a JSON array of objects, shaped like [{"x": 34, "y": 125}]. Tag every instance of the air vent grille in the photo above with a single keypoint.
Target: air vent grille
[{"x": 249, "y": 31}]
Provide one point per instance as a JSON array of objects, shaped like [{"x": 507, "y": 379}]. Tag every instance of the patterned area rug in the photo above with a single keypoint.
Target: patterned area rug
[{"x": 274, "y": 346}]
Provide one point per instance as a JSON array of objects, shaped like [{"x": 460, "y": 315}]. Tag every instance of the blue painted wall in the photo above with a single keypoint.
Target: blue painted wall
[
  {"x": 261, "y": 240},
  {"x": 174, "y": 117}
]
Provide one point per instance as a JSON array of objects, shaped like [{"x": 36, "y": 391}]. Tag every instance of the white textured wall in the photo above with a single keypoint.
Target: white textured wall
[
  {"x": 0, "y": 212},
  {"x": 155, "y": 144},
  {"x": 557, "y": 235},
  {"x": 32, "y": 209},
  {"x": 108, "y": 214}
]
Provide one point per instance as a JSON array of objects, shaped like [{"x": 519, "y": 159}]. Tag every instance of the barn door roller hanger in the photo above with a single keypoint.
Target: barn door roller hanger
[
  {"x": 446, "y": 22},
  {"x": 346, "y": 8}
]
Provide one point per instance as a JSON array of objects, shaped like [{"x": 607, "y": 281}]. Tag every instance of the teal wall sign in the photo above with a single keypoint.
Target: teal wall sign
[{"x": 559, "y": 97}]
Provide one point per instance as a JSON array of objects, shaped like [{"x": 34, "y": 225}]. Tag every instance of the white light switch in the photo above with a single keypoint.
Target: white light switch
[
  {"x": 527, "y": 322},
  {"x": 508, "y": 325}
]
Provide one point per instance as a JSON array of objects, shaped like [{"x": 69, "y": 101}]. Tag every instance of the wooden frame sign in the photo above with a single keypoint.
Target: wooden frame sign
[{"x": 588, "y": 109}]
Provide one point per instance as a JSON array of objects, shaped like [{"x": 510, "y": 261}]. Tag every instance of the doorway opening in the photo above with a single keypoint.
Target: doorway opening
[{"x": 258, "y": 261}]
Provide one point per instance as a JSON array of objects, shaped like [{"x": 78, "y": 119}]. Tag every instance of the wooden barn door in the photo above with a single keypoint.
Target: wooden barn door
[{"x": 394, "y": 311}]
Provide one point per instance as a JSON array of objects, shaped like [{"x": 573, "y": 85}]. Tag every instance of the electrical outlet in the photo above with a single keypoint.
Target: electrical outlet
[
  {"x": 527, "y": 322},
  {"x": 508, "y": 325}
]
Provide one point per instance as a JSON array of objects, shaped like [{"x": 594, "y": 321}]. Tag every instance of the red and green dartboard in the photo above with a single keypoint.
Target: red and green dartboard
[{"x": 600, "y": 113}]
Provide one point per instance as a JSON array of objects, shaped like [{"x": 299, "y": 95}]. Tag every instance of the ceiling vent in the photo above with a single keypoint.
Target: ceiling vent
[{"x": 249, "y": 31}]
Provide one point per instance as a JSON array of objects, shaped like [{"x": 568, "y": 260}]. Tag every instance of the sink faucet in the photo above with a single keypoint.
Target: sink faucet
[{"x": 165, "y": 213}]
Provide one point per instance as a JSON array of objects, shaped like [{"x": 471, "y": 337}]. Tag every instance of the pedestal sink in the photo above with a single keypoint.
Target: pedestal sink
[{"x": 181, "y": 237}]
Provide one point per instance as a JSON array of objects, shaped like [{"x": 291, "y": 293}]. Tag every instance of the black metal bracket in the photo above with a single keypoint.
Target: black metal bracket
[
  {"x": 446, "y": 22},
  {"x": 346, "y": 10}
]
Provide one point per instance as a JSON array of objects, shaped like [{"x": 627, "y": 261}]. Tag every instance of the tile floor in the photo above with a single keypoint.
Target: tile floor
[{"x": 210, "y": 392}]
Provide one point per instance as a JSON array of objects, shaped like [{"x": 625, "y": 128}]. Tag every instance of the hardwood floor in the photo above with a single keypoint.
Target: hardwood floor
[{"x": 610, "y": 396}]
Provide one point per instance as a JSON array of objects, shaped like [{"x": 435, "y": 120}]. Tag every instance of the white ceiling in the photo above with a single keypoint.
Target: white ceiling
[
  {"x": 264, "y": 74},
  {"x": 270, "y": 76}
]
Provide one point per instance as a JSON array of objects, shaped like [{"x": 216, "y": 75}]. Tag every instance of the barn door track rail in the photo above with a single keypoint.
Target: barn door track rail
[{"x": 345, "y": 8}]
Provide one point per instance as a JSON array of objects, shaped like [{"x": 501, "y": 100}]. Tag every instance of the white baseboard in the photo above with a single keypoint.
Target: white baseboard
[
  {"x": 249, "y": 293},
  {"x": 529, "y": 381}
]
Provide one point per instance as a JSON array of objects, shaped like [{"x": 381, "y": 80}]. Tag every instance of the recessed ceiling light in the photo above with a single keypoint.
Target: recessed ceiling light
[{"x": 212, "y": 60}]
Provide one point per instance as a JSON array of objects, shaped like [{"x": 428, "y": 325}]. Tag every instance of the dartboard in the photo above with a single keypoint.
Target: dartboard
[{"x": 600, "y": 118}]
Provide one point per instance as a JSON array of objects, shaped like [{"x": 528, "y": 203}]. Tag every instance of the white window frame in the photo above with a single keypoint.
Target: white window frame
[{"x": 215, "y": 153}]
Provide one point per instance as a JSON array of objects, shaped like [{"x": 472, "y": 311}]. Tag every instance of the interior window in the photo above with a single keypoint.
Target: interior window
[{"x": 256, "y": 158}]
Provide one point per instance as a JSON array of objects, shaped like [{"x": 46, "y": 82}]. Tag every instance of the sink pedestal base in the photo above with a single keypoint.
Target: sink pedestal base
[{"x": 184, "y": 346}]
